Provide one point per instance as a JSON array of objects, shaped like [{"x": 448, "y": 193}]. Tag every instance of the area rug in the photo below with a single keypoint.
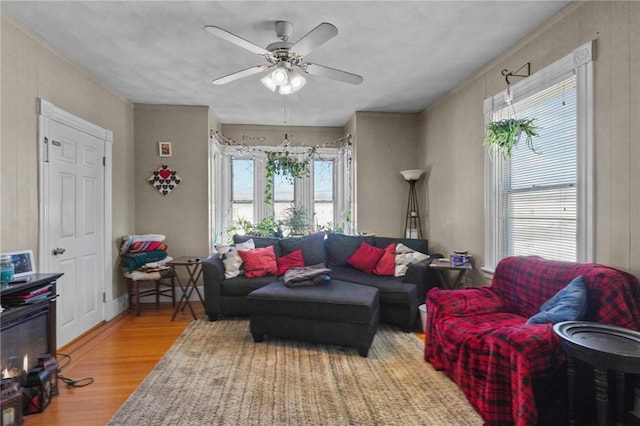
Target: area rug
[{"x": 214, "y": 374}]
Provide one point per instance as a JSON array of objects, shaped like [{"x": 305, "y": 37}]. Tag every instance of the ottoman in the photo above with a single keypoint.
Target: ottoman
[{"x": 335, "y": 313}]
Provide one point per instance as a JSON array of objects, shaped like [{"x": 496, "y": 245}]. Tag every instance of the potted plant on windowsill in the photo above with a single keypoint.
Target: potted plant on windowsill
[
  {"x": 297, "y": 220},
  {"x": 505, "y": 134}
]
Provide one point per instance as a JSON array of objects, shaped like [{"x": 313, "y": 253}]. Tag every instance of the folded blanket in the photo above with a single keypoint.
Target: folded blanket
[
  {"x": 305, "y": 276},
  {"x": 132, "y": 261},
  {"x": 308, "y": 283},
  {"x": 139, "y": 246},
  {"x": 159, "y": 264},
  {"x": 128, "y": 240},
  {"x": 148, "y": 276}
]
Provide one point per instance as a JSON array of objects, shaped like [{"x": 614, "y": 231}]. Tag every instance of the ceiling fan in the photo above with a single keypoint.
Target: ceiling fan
[{"x": 285, "y": 59}]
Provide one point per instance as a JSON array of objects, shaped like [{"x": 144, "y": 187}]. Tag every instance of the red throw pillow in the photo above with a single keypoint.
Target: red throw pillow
[
  {"x": 291, "y": 260},
  {"x": 366, "y": 257},
  {"x": 387, "y": 264},
  {"x": 259, "y": 262}
]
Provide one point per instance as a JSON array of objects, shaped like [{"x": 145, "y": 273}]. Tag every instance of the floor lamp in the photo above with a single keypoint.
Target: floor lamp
[{"x": 412, "y": 225}]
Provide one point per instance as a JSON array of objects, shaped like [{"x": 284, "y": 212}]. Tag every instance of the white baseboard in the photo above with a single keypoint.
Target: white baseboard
[{"x": 114, "y": 307}]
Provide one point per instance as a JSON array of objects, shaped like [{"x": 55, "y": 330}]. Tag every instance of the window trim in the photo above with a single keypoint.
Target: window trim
[{"x": 580, "y": 62}]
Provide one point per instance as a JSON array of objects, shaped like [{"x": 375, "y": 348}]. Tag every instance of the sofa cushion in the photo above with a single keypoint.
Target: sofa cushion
[
  {"x": 386, "y": 266},
  {"x": 340, "y": 247},
  {"x": 473, "y": 329},
  {"x": 391, "y": 289},
  {"x": 242, "y": 286},
  {"x": 259, "y": 262},
  {"x": 231, "y": 258},
  {"x": 365, "y": 258},
  {"x": 406, "y": 256},
  {"x": 568, "y": 304},
  {"x": 260, "y": 242},
  {"x": 291, "y": 260},
  {"x": 312, "y": 247}
]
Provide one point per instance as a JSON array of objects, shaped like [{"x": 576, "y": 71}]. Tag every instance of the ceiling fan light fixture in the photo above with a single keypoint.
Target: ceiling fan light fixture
[
  {"x": 267, "y": 81},
  {"x": 281, "y": 74},
  {"x": 283, "y": 79},
  {"x": 286, "y": 89},
  {"x": 297, "y": 81}
]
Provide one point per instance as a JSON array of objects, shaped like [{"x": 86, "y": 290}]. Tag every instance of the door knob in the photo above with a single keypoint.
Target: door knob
[{"x": 56, "y": 251}]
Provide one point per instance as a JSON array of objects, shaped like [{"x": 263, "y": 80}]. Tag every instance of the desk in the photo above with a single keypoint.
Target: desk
[
  {"x": 604, "y": 347},
  {"x": 439, "y": 266},
  {"x": 193, "y": 266}
]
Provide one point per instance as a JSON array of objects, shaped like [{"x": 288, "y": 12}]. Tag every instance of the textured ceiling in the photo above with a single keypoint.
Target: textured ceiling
[{"x": 409, "y": 52}]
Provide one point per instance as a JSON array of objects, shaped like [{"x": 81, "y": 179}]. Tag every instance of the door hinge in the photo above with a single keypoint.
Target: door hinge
[
  {"x": 104, "y": 161},
  {"x": 104, "y": 297},
  {"x": 46, "y": 149}
]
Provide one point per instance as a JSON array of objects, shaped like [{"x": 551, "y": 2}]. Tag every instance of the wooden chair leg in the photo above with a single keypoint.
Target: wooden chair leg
[
  {"x": 173, "y": 291},
  {"x": 130, "y": 293},
  {"x": 134, "y": 296},
  {"x": 137, "y": 284},
  {"x": 158, "y": 289}
]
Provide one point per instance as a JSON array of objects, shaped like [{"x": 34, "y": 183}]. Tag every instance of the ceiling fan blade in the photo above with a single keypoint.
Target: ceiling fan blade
[
  {"x": 333, "y": 73},
  {"x": 238, "y": 75},
  {"x": 314, "y": 38},
  {"x": 238, "y": 41}
]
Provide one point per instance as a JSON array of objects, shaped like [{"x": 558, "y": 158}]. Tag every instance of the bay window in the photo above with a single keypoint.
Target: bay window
[{"x": 237, "y": 189}]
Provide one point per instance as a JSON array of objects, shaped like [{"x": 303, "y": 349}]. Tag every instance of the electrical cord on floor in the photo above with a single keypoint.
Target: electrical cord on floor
[
  {"x": 70, "y": 382},
  {"x": 66, "y": 357},
  {"x": 76, "y": 383}
]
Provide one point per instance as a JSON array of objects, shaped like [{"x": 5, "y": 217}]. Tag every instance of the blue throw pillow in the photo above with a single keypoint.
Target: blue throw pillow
[{"x": 569, "y": 304}]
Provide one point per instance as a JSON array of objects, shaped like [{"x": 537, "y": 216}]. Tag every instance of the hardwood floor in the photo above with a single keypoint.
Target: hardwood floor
[{"x": 118, "y": 355}]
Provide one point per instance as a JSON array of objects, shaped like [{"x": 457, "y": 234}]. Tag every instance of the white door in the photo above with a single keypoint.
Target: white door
[{"x": 74, "y": 225}]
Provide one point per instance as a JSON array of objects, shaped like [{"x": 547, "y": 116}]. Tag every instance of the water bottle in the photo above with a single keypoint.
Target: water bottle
[{"x": 7, "y": 269}]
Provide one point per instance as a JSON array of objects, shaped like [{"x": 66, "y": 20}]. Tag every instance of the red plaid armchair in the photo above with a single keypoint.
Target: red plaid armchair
[{"x": 478, "y": 337}]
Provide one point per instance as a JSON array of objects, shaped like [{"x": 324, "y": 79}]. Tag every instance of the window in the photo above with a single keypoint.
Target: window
[
  {"x": 540, "y": 203},
  {"x": 238, "y": 184},
  {"x": 323, "y": 191},
  {"x": 242, "y": 190},
  {"x": 283, "y": 195}
]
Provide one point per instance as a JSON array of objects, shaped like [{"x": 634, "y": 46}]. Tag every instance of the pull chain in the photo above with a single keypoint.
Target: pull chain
[{"x": 284, "y": 102}]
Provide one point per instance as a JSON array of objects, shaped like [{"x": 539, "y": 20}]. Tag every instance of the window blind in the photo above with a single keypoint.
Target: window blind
[{"x": 537, "y": 212}]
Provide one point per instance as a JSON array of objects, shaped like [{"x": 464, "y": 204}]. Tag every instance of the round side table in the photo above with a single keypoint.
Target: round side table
[{"x": 604, "y": 347}]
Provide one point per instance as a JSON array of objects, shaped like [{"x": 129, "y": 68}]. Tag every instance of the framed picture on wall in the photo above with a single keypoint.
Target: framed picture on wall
[{"x": 164, "y": 149}]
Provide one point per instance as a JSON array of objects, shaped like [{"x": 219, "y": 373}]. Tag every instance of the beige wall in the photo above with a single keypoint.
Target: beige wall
[
  {"x": 32, "y": 69},
  {"x": 385, "y": 143},
  {"x": 452, "y": 132},
  {"x": 183, "y": 214}
]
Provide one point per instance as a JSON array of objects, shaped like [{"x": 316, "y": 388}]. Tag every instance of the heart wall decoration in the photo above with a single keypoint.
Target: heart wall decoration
[{"x": 164, "y": 179}]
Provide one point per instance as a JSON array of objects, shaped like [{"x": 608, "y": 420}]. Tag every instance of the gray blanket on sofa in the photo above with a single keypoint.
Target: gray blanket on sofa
[{"x": 305, "y": 276}]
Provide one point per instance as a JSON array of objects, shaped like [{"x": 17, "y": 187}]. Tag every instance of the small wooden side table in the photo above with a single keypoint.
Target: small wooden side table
[
  {"x": 604, "y": 347},
  {"x": 193, "y": 266},
  {"x": 439, "y": 267}
]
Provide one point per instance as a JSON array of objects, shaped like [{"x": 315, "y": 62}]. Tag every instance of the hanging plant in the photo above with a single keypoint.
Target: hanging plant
[
  {"x": 286, "y": 164},
  {"x": 505, "y": 134}
]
